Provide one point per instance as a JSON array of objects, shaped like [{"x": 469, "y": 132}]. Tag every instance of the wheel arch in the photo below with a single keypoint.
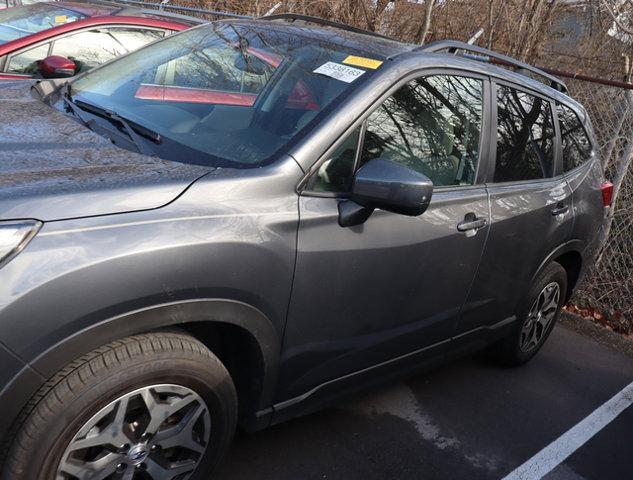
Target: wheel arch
[
  {"x": 569, "y": 256},
  {"x": 201, "y": 318}
]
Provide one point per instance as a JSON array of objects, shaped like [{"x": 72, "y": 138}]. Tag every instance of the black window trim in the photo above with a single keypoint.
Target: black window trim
[
  {"x": 492, "y": 159},
  {"x": 362, "y": 123}
]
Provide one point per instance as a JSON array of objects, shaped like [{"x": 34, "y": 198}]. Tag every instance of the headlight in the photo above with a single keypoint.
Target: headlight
[{"x": 14, "y": 236}]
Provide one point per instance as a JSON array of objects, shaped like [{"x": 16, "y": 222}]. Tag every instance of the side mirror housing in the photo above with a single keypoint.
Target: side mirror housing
[
  {"x": 386, "y": 185},
  {"x": 57, "y": 67}
]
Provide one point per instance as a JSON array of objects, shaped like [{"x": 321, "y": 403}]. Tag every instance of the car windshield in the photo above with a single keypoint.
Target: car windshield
[
  {"x": 224, "y": 94},
  {"x": 19, "y": 22}
]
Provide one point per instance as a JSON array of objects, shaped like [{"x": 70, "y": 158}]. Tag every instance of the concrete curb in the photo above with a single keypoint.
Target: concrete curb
[{"x": 600, "y": 334}]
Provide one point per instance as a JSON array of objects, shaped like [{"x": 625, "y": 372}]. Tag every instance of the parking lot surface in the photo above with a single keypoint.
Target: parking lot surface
[{"x": 467, "y": 420}]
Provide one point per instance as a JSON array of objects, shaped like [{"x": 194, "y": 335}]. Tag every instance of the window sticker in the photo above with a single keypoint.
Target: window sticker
[
  {"x": 363, "y": 62},
  {"x": 61, "y": 19},
  {"x": 339, "y": 72}
]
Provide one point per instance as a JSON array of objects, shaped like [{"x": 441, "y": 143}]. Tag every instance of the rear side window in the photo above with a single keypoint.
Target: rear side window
[
  {"x": 525, "y": 136},
  {"x": 575, "y": 141},
  {"x": 431, "y": 125}
]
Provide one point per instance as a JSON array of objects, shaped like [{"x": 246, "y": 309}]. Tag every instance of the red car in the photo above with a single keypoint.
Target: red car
[{"x": 65, "y": 38}]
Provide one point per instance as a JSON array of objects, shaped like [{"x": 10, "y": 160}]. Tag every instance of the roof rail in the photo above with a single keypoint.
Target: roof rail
[
  {"x": 452, "y": 46},
  {"x": 164, "y": 7},
  {"x": 322, "y": 21}
]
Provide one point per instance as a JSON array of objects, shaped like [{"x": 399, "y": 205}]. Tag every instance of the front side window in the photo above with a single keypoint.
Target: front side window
[
  {"x": 525, "y": 136},
  {"x": 88, "y": 49},
  {"x": 432, "y": 125},
  {"x": 26, "y": 62},
  {"x": 575, "y": 141}
]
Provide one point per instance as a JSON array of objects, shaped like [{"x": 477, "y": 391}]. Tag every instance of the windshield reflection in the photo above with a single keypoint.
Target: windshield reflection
[{"x": 224, "y": 94}]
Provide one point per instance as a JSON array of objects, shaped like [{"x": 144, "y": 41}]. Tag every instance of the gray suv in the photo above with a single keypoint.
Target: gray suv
[{"x": 245, "y": 221}]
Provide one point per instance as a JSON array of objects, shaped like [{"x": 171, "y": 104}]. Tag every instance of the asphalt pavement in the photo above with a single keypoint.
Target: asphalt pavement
[{"x": 466, "y": 420}]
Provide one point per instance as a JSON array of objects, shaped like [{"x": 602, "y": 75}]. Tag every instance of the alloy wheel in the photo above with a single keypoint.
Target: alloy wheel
[
  {"x": 540, "y": 317},
  {"x": 159, "y": 432}
]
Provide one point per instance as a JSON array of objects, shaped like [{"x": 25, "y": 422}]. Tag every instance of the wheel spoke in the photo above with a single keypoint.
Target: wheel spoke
[
  {"x": 97, "y": 470},
  {"x": 161, "y": 410},
  {"x": 111, "y": 436},
  {"x": 181, "y": 435},
  {"x": 128, "y": 474},
  {"x": 552, "y": 298},
  {"x": 167, "y": 471}
]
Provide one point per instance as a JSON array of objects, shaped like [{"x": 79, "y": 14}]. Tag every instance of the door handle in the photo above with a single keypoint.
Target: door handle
[
  {"x": 471, "y": 222},
  {"x": 560, "y": 209}
]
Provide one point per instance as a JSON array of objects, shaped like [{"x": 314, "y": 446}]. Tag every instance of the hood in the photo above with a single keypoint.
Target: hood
[{"x": 52, "y": 167}]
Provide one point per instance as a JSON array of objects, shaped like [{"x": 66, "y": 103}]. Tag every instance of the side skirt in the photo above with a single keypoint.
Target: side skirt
[{"x": 387, "y": 372}]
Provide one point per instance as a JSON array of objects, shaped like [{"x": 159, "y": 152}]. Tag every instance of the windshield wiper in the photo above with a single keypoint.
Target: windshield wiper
[
  {"x": 129, "y": 127},
  {"x": 67, "y": 99},
  {"x": 136, "y": 133}
]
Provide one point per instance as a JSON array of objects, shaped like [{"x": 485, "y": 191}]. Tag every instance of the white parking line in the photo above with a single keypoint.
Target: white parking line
[{"x": 556, "y": 452}]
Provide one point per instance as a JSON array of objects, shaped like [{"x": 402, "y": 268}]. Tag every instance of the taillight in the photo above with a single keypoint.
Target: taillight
[{"x": 607, "y": 194}]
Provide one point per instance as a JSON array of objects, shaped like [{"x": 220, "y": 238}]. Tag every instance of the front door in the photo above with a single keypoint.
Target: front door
[{"x": 394, "y": 285}]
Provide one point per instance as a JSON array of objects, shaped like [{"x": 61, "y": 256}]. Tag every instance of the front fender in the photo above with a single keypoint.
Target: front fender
[{"x": 30, "y": 378}]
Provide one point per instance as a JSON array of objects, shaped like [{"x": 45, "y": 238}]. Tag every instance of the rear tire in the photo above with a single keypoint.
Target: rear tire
[
  {"x": 93, "y": 414},
  {"x": 536, "y": 317}
]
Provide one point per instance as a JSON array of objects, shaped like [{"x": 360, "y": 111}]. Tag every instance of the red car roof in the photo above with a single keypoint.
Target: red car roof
[{"x": 90, "y": 22}]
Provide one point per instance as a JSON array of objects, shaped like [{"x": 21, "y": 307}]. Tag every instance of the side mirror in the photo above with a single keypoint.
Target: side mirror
[
  {"x": 57, "y": 67},
  {"x": 388, "y": 186}
]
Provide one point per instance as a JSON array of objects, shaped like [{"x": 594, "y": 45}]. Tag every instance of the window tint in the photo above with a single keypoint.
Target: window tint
[
  {"x": 26, "y": 62},
  {"x": 525, "y": 137},
  {"x": 431, "y": 125},
  {"x": 575, "y": 142},
  {"x": 88, "y": 49},
  {"x": 335, "y": 174}
]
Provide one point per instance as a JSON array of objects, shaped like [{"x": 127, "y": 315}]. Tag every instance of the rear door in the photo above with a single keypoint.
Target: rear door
[
  {"x": 393, "y": 286},
  {"x": 531, "y": 208}
]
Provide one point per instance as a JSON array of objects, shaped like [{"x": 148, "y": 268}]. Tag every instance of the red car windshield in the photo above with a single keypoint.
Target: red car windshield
[
  {"x": 21, "y": 21},
  {"x": 225, "y": 94}
]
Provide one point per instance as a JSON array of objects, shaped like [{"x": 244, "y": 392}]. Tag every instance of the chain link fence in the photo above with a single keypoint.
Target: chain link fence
[{"x": 608, "y": 286}]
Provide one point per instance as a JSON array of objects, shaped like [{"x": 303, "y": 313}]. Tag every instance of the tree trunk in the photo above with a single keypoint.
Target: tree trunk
[{"x": 426, "y": 24}]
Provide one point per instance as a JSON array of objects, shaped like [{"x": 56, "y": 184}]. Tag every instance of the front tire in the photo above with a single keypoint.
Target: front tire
[
  {"x": 156, "y": 406},
  {"x": 536, "y": 317}
]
